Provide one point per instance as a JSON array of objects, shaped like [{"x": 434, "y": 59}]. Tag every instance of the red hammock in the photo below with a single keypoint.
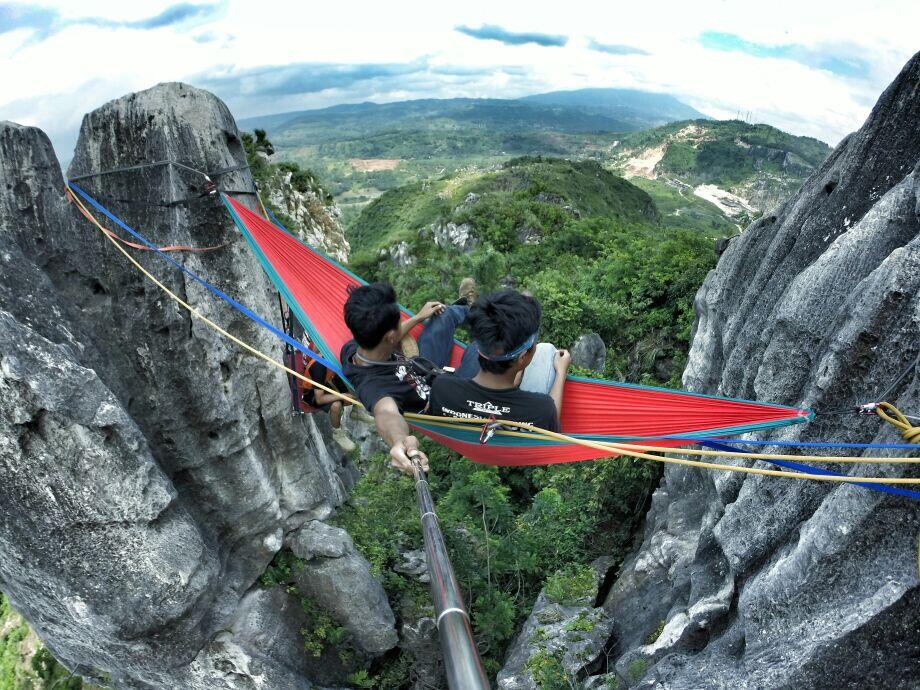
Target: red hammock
[{"x": 316, "y": 287}]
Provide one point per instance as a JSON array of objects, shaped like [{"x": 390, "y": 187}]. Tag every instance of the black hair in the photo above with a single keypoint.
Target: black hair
[
  {"x": 371, "y": 312},
  {"x": 501, "y": 322}
]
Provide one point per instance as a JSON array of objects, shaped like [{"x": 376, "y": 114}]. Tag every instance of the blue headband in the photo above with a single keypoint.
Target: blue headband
[{"x": 514, "y": 354}]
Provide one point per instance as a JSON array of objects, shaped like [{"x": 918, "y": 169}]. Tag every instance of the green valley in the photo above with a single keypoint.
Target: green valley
[
  {"x": 361, "y": 150},
  {"x": 706, "y": 174},
  {"x": 590, "y": 245}
]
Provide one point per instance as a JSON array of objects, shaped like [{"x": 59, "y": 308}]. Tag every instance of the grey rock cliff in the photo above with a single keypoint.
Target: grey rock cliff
[
  {"x": 339, "y": 579},
  {"x": 589, "y": 352},
  {"x": 149, "y": 470},
  {"x": 316, "y": 222},
  {"x": 762, "y": 582},
  {"x": 574, "y": 632}
]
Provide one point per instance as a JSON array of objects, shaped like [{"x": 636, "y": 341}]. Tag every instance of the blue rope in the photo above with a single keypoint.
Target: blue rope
[
  {"x": 332, "y": 366},
  {"x": 792, "y": 444},
  {"x": 222, "y": 295},
  {"x": 716, "y": 445}
]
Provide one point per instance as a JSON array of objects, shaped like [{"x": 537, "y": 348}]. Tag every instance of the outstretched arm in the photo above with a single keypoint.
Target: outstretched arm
[
  {"x": 561, "y": 364},
  {"x": 430, "y": 309},
  {"x": 395, "y": 433}
]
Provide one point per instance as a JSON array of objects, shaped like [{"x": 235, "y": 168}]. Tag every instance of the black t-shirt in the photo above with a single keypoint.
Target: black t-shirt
[
  {"x": 399, "y": 379},
  {"x": 452, "y": 396},
  {"x": 319, "y": 373}
]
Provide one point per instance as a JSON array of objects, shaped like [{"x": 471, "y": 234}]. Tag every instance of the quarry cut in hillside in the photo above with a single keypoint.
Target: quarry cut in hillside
[{"x": 738, "y": 167}]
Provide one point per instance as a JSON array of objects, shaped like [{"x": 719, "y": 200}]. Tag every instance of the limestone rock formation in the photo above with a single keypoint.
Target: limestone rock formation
[
  {"x": 149, "y": 470},
  {"x": 420, "y": 641},
  {"x": 760, "y": 582},
  {"x": 339, "y": 579},
  {"x": 400, "y": 254},
  {"x": 316, "y": 221},
  {"x": 450, "y": 234},
  {"x": 574, "y": 632},
  {"x": 590, "y": 352}
]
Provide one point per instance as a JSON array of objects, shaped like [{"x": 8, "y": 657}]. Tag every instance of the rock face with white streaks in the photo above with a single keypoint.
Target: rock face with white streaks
[
  {"x": 759, "y": 582},
  {"x": 317, "y": 221},
  {"x": 149, "y": 469},
  {"x": 570, "y": 634}
]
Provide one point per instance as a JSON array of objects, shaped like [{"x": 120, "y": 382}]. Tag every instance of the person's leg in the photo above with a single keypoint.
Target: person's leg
[
  {"x": 335, "y": 414},
  {"x": 437, "y": 339},
  {"x": 469, "y": 365},
  {"x": 540, "y": 374}
]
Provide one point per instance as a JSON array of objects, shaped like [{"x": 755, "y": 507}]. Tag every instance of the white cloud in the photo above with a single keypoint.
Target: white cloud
[{"x": 51, "y": 82}]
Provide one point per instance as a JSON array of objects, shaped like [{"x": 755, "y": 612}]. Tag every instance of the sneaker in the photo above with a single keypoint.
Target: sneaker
[
  {"x": 467, "y": 292},
  {"x": 343, "y": 441}
]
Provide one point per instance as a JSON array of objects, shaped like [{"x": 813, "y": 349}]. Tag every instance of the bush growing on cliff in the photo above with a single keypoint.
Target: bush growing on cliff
[
  {"x": 585, "y": 242},
  {"x": 17, "y": 670},
  {"x": 258, "y": 148},
  {"x": 322, "y": 634},
  {"x": 571, "y": 586},
  {"x": 506, "y": 529}
]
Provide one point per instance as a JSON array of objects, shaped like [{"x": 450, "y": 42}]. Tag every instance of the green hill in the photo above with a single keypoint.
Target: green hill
[
  {"x": 533, "y": 188},
  {"x": 363, "y": 149},
  {"x": 587, "y": 243},
  {"x": 742, "y": 168}
]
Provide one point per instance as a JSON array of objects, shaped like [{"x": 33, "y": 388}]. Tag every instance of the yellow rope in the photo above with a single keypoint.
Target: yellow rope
[
  {"x": 535, "y": 433},
  {"x": 893, "y": 415},
  {"x": 194, "y": 312},
  {"x": 630, "y": 450}
]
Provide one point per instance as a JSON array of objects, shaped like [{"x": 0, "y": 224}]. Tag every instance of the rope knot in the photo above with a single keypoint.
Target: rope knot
[{"x": 894, "y": 416}]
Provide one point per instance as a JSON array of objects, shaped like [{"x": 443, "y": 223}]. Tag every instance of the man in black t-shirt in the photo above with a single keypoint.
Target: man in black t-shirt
[
  {"x": 387, "y": 383},
  {"x": 504, "y": 325}
]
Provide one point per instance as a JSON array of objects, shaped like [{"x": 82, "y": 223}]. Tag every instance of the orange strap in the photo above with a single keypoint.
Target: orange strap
[{"x": 308, "y": 362}]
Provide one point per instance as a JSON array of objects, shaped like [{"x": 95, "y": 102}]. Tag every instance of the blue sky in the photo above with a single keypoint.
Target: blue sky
[
  {"x": 843, "y": 60},
  {"x": 809, "y": 68}
]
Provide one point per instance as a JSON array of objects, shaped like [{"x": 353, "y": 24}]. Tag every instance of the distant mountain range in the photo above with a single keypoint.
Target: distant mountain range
[
  {"x": 583, "y": 110},
  {"x": 639, "y": 109},
  {"x": 704, "y": 174}
]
